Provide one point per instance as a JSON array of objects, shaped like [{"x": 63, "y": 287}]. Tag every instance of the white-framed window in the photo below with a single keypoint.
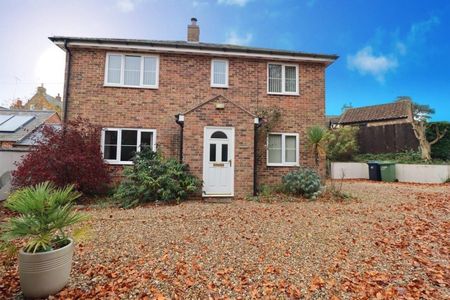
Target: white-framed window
[
  {"x": 282, "y": 79},
  {"x": 282, "y": 149},
  {"x": 132, "y": 70},
  {"x": 119, "y": 145},
  {"x": 219, "y": 73}
]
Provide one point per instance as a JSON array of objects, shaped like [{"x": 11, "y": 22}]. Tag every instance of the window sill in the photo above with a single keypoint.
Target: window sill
[
  {"x": 118, "y": 163},
  {"x": 131, "y": 86},
  {"x": 284, "y": 165},
  {"x": 283, "y": 94},
  {"x": 219, "y": 86}
]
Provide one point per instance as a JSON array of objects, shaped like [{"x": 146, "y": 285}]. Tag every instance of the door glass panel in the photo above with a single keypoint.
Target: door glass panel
[
  {"x": 219, "y": 135},
  {"x": 212, "y": 152},
  {"x": 224, "y": 152}
]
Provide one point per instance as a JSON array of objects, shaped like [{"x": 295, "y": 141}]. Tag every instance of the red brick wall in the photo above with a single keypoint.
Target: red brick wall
[{"x": 184, "y": 81}]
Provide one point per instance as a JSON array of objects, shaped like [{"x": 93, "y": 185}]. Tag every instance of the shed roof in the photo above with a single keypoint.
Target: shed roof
[{"x": 389, "y": 111}]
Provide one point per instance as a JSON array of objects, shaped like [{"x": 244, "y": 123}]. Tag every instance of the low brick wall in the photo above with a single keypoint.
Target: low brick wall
[{"x": 404, "y": 172}]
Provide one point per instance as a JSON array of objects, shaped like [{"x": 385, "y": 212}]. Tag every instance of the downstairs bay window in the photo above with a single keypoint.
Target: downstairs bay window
[
  {"x": 119, "y": 145},
  {"x": 282, "y": 149}
]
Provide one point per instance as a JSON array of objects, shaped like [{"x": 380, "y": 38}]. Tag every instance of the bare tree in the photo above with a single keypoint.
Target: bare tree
[{"x": 421, "y": 114}]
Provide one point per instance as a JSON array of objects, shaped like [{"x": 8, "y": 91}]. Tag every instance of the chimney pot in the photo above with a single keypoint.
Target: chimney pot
[{"x": 193, "y": 34}]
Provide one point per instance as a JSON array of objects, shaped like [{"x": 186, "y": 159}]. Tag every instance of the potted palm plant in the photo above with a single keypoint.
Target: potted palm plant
[{"x": 44, "y": 213}]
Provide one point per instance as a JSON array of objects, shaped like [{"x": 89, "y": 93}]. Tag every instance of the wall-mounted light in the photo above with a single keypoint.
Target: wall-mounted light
[{"x": 220, "y": 105}]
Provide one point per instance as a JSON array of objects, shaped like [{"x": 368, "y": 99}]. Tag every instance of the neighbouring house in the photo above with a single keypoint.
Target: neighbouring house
[
  {"x": 19, "y": 130},
  {"x": 198, "y": 101},
  {"x": 332, "y": 121},
  {"x": 40, "y": 101}
]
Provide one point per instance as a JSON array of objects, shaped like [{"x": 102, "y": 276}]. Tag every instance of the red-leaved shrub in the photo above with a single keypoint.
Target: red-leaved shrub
[{"x": 67, "y": 155}]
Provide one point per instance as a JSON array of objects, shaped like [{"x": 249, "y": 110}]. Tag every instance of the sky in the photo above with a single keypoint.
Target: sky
[{"x": 386, "y": 48}]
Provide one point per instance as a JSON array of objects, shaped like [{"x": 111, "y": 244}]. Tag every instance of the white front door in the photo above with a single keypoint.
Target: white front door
[{"x": 218, "y": 161}]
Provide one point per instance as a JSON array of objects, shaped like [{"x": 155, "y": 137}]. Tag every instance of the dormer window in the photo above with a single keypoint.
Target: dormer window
[
  {"x": 219, "y": 73},
  {"x": 130, "y": 70}
]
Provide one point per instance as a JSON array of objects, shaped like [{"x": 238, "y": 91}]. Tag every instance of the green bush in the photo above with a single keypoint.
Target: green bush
[
  {"x": 155, "y": 178},
  {"x": 303, "y": 182},
  {"x": 341, "y": 143},
  {"x": 406, "y": 157},
  {"x": 440, "y": 150}
]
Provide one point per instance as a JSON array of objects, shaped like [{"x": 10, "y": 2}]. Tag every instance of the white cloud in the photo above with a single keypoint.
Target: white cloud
[
  {"x": 419, "y": 30},
  {"x": 127, "y": 5},
  {"x": 366, "y": 62},
  {"x": 235, "y": 39},
  {"x": 234, "y": 2}
]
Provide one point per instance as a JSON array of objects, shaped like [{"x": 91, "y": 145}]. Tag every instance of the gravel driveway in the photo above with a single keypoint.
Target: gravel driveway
[{"x": 392, "y": 242}]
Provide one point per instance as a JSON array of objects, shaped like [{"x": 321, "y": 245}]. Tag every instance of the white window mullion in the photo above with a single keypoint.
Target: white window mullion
[
  {"x": 141, "y": 79},
  {"x": 283, "y": 81},
  {"x": 119, "y": 145},
  {"x": 122, "y": 70},
  {"x": 283, "y": 148},
  {"x": 138, "y": 146}
]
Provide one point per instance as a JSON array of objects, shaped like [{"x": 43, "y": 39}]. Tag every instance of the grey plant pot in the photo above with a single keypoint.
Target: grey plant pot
[{"x": 46, "y": 273}]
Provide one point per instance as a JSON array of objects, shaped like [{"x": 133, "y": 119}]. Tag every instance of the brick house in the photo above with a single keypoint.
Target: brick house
[
  {"x": 40, "y": 101},
  {"x": 200, "y": 102}
]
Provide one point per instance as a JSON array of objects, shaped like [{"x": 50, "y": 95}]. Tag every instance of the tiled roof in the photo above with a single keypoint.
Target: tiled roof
[
  {"x": 39, "y": 118},
  {"x": 191, "y": 45},
  {"x": 389, "y": 111},
  {"x": 53, "y": 100}
]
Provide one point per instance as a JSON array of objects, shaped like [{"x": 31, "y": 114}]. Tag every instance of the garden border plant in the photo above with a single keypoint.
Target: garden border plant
[
  {"x": 44, "y": 214},
  {"x": 154, "y": 178}
]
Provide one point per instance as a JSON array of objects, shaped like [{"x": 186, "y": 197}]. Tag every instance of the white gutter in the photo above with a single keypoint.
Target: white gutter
[{"x": 193, "y": 51}]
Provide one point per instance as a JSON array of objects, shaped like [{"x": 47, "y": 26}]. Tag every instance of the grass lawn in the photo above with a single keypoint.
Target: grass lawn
[{"x": 392, "y": 242}]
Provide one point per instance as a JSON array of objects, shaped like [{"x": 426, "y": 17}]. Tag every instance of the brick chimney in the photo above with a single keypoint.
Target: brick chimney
[
  {"x": 58, "y": 98},
  {"x": 41, "y": 89},
  {"x": 193, "y": 35}
]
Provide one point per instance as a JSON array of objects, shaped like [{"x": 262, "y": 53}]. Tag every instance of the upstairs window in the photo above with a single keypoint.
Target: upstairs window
[
  {"x": 282, "y": 79},
  {"x": 132, "y": 70},
  {"x": 282, "y": 149},
  {"x": 219, "y": 73},
  {"x": 120, "y": 145}
]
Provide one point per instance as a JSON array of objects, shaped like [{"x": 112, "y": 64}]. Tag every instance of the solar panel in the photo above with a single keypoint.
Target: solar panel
[
  {"x": 15, "y": 123},
  {"x": 4, "y": 118}
]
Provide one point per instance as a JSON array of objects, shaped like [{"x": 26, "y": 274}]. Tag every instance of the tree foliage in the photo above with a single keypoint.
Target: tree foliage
[
  {"x": 421, "y": 113},
  {"x": 64, "y": 156},
  {"x": 316, "y": 139},
  {"x": 341, "y": 143},
  {"x": 441, "y": 149}
]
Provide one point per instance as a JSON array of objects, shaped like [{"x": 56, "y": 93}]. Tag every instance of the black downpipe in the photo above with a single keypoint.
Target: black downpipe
[
  {"x": 181, "y": 123},
  {"x": 255, "y": 158},
  {"x": 66, "y": 87}
]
